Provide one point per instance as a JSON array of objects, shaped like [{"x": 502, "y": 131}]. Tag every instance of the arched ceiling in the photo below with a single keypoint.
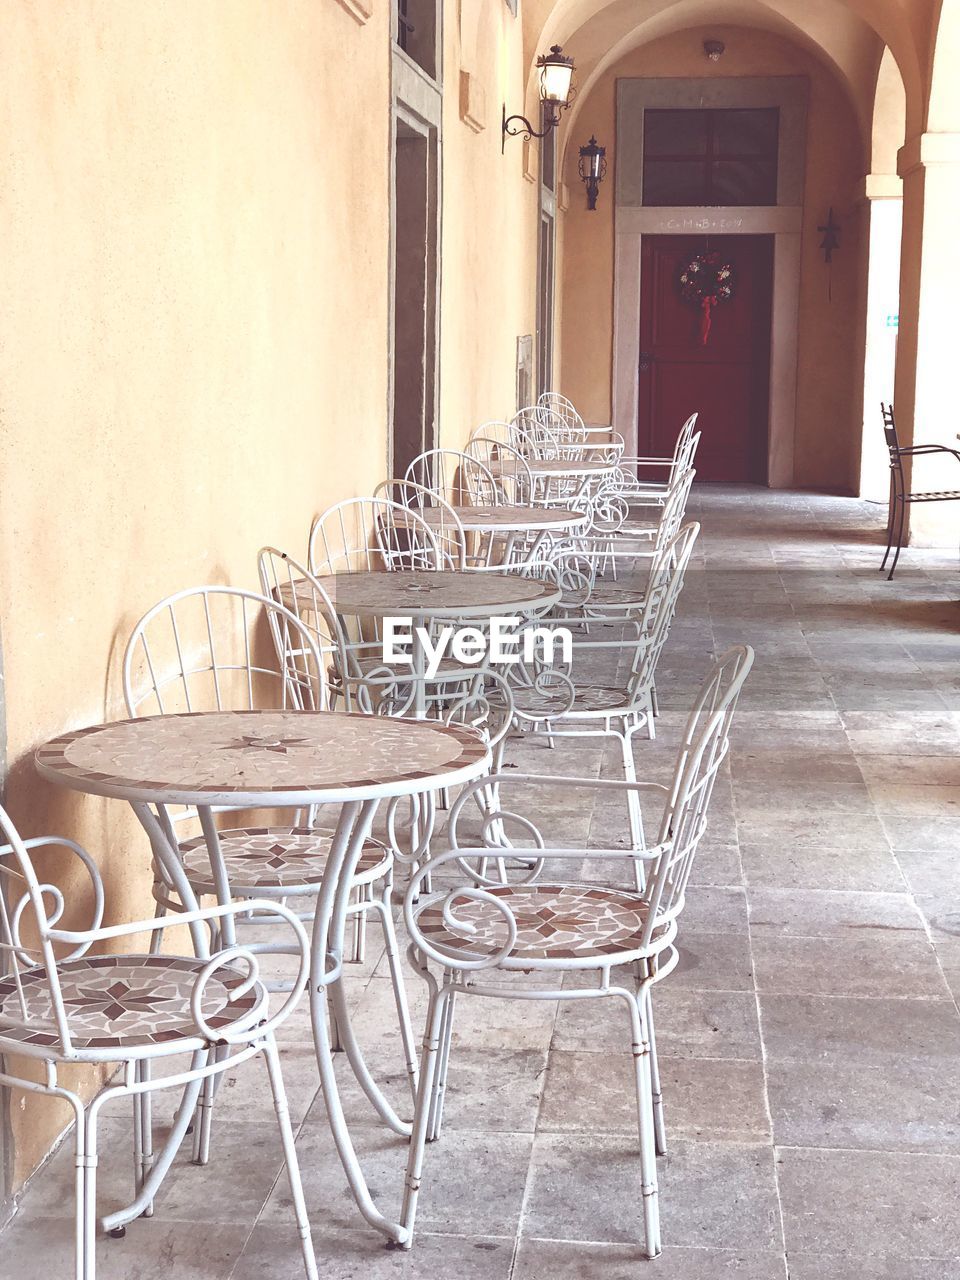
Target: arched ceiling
[{"x": 848, "y": 35}]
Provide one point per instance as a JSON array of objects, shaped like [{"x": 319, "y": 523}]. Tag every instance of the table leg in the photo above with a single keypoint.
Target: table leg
[
  {"x": 326, "y": 972},
  {"x": 418, "y": 675}
]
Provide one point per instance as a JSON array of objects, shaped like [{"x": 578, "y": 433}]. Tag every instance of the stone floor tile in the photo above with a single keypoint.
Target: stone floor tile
[
  {"x": 922, "y": 832},
  {"x": 715, "y": 910},
  {"x": 817, "y": 1266},
  {"x": 586, "y": 1187},
  {"x": 900, "y": 1106},
  {"x": 152, "y": 1249},
  {"x": 814, "y": 913},
  {"x": 784, "y": 866},
  {"x": 862, "y": 1204},
  {"x": 864, "y": 963},
  {"x": 713, "y": 961},
  {"x": 906, "y": 800},
  {"x": 851, "y": 831},
  {"x": 690, "y": 1024},
  {"x": 931, "y": 873},
  {"x": 361, "y": 1254},
  {"x": 569, "y": 1260},
  {"x": 473, "y": 1183},
  {"x": 707, "y": 1099},
  {"x": 873, "y": 1033}
]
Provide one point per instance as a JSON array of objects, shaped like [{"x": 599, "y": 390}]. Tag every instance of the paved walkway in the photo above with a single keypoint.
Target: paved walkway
[{"x": 810, "y": 1040}]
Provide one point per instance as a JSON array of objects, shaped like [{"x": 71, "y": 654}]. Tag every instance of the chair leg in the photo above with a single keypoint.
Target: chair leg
[
  {"x": 290, "y": 1156},
  {"x": 648, "y": 1155},
  {"x": 440, "y": 1082},
  {"x": 900, "y": 524},
  {"x": 88, "y": 1195},
  {"x": 203, "y": 1120},
  {"x": 436, "y": 1013},
  {"x": 891, "y": 510},
  {"x": 143, "y": 1131},
  {"x": 361, "y": 895},
  {"x": 80, "y": 1197},
  {"x": 659, "y": 1130}
]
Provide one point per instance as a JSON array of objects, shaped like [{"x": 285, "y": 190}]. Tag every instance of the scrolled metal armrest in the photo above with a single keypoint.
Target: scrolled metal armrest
[
  {"x": 52, "y": 918},
  {"x": 222, "y": 1035},
  {"x": 413, "y": 908}
]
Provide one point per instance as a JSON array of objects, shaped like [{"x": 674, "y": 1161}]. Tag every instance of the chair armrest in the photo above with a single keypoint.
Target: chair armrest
[{"x": 920, "y": 449}]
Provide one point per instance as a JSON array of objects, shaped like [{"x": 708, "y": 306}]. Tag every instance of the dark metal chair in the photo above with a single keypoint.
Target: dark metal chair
[{"x": 899, "y": 495}]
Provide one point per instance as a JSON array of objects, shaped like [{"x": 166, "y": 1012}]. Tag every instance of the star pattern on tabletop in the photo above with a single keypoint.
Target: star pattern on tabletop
[{"x": 253, "y": 742}]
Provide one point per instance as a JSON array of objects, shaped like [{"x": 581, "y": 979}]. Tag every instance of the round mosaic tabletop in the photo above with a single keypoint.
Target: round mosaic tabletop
[
  {"x": 426, "y": 593},
  {"x": 509, "y": 519},
  {"x": 262, "y": 758}
]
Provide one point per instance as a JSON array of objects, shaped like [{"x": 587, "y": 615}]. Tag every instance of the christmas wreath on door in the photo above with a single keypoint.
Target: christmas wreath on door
[{"x": 706, "y": 281}]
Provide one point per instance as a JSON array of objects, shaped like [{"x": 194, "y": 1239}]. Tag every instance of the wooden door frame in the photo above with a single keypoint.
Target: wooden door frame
[{"x": 783, "y": 221}]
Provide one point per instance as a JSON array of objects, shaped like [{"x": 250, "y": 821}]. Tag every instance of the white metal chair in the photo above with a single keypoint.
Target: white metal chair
[
  {"x": 482, "y": 927},
  {"x": 366, "y": 534},
  {"x": 455, "y": 476},
  {"x": 60, "y": 1006},
  {"x": 435, "y": 510},
  {"x": 618, "y": 710}
]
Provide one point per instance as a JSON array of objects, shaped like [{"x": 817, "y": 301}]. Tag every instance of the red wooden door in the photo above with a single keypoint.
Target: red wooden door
[{"x": 727, "y": 378}]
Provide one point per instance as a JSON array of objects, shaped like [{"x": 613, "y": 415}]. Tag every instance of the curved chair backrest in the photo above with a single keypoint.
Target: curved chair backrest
[
  {"x": 674, "y": 508},
  {"x": 430, "y": 507},
  {"x": 196, "y": 651},
  {"x": 509, "y": 471},
  {"x": 890, "y": 435},
  {"x": 293, "y": 585},
  {"x": 366, "y": 534},
  {"x": 535, "y": 434},
  {"x": 667, "y": 571},
  {"x": 455, "y": 476},
  {"x": 705, "y": 744},
  {"x": 561, "y": 409}
]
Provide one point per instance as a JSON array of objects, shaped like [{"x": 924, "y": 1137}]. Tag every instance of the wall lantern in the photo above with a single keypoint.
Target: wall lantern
[
  {"x": 556, "y": 72},
  {"x": 592, "y": 169},
  {"x": 714, "y": 49}
]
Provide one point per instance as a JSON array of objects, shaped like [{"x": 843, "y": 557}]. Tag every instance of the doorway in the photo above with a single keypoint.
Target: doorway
[
  {"x": 723, "y": 375},
  {"x": 413, "y": 427}
]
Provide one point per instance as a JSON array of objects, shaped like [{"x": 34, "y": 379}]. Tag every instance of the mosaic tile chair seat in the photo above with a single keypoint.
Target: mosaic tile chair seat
[
  {"x": 61, "y": 1006},
  {"x": 504, "y": 913}
]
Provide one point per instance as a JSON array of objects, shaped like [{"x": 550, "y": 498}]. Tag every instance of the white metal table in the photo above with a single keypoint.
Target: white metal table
[
  {"x": 425, "y": 595},
  {"x": 263, "y": 760}
]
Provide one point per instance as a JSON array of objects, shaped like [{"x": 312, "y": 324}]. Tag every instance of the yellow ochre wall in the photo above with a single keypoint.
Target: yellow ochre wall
[
  {"x": 830, "y": 380},
  {"x": 194, "y": 331}
]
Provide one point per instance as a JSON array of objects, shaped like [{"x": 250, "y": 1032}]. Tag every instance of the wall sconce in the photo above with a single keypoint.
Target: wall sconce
[
  {"x": 556, "y": 73},
  {"x": 592, "y": 169},
  {"x": 714, "y": 49}
]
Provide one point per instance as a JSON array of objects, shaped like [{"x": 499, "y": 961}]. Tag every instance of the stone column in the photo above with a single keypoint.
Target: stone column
[{"x": 928, "y": 350}]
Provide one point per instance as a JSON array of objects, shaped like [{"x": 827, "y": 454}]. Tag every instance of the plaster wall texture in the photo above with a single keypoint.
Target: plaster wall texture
[
  {"x": 828, "y": 396},
  {"x": 489, "y": 226},
  {"x": 195, "y": 330}
]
